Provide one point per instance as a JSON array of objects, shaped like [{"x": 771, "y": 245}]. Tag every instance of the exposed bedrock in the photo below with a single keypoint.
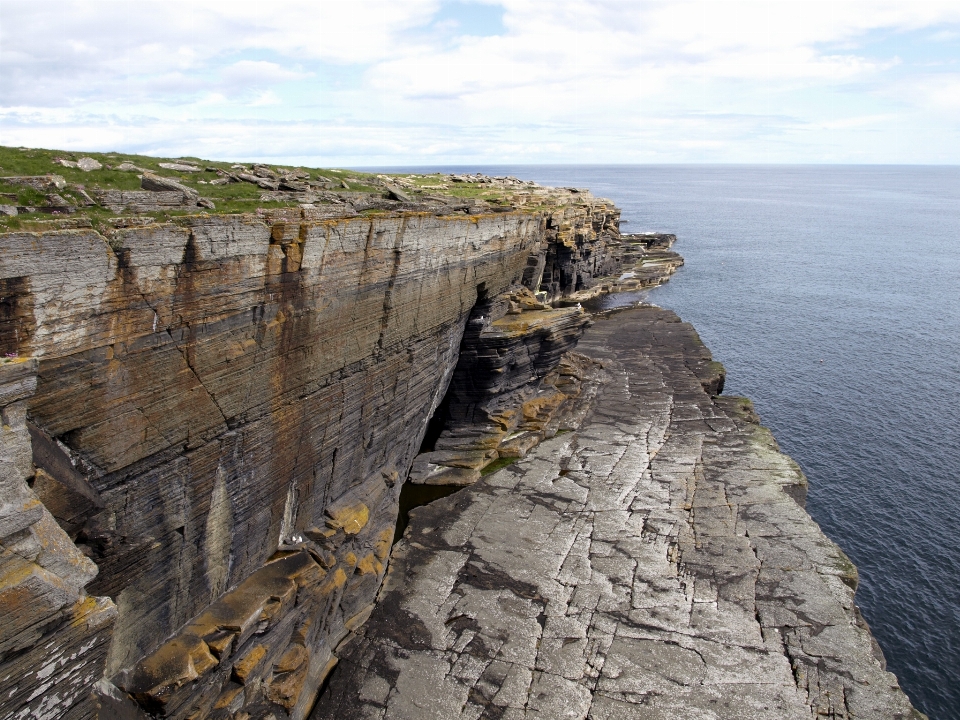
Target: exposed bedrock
[
  {"x": 655, "y": 563},
  {"x": 514, "y": 384},
  {"x": 580, "y": 246},
  {"x": 231, "y": 403},
  {"x": 207, "y": 424},
  {"x": 54, "y": 637}
]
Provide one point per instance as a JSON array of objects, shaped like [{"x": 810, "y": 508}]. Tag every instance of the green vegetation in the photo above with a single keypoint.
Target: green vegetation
[
  {"x": 498, "y": 464},
  {"x": 229, "y": 198},
  {"x": 80, "y": 189}
]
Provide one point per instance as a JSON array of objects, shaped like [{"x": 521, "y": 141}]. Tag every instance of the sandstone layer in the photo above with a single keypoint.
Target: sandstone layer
[
  {"x": 218, "y": 417},
  {"x": 210, "y": 422},
  {"x": 655, "y": 563}
]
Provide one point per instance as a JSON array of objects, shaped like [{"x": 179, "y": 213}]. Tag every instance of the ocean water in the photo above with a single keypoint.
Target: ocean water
[{"x": 832, "y": 295}]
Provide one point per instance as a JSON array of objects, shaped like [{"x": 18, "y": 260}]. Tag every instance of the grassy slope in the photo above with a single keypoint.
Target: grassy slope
[{"x": 230, "y": 198}]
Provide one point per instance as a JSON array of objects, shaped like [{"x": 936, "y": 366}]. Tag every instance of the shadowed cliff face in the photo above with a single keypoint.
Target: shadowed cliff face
[{"x": 236, "y": 401}]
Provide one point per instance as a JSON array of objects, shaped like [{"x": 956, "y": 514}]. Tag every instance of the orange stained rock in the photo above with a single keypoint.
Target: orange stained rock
[
  {"x": 312, "y": 575},
  {"x": 293, "y": 658},
  {"x": 321, "y": 533},
  {"x": 531, "y": 319},
  {"x": 369, "y": 564},
  {"x": 337, "y": 580},
  {"x": 384, "y": 541},
  {"x": 504, "y": 418},
  {"x": 221, "y": 643},
  {"x": 260, "y": 597},
  {"x": 303, "y": 631},
  {"x": 285, "y": 688},
  {"x": 541, "y": 407},
  {"x": 28, "y": 592},
  {"x": 176, "y": 662},
  {"x": 249, "y": 663},
  {"x": 352, "y": 518},
  {"x": 227, "y": 697}
]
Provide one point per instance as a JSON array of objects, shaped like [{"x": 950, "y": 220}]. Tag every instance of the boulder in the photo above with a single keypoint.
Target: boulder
[
  {"x": 180, "y": 167},
  {"x": 88, "y": 164},
  {"x": 81, "y": 192},
  {"x": 37, "y": 182},
  {"x": 157, "y": 183},
  {"x": 264, "y": 172},
  {"x": 395, "y": 193},
  {"x": 129, "y": 167}
]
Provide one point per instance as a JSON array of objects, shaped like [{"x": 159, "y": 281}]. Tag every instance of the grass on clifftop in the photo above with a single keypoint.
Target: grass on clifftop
[
  {"x": 229, "y": 198},
  {"x": 234, "y": 197}
]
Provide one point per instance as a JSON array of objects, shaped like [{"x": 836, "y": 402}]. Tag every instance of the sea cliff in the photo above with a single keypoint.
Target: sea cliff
[{"x": 211, "y": 421}]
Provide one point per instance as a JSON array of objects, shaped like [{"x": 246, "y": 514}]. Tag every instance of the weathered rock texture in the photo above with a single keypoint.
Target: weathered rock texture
[
  {"x": 55, "y": 637},
  {"x": 656, "y": 563},
  {"x": 242, "y": 397},
  {"x": 207, "y": 423},
  {"x": 515, "y": 384},
  {"x": 581, "y": 241}
]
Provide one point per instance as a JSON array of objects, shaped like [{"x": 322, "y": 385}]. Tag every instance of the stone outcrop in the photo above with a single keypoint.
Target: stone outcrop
[
  {"x": 209, "y": 422},
  {"x": 655, "y": 563},
  {"x": 645, "y": 261},
  {"x": 55, "y": 637},
  {"x": 37, "y": 182},
  {"x": 231, "y": 405},
  {"x": 514, "y": 385},
  {"x": 581, "y": 245}
]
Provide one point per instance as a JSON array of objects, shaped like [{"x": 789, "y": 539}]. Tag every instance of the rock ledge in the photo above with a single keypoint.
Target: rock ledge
[{"x": 656, "y": 563}]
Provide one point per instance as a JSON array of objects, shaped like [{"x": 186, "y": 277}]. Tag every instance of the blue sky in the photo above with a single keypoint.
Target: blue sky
[{"x": 432, "y": 82}]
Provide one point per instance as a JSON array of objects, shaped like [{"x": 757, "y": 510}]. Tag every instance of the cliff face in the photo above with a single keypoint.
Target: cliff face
[
  {"x": 654, "y": 563},
  {"x": 225, "y": 411},
  {"x": 578, "y": 250},
  {"x": 208, "y": 422},
  {"x": 54, "y": 638}
]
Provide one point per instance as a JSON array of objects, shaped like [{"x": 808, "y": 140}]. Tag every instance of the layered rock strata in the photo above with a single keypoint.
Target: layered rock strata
[
  {"x": 655, "y": 563},
  {"x": 645, "y": 260},
  {"x": 581, "y": 246},
  {"x": 515, "y": 384},
  {"x": 220, "y": 412},
  {"x": 240, "y": 397},
  {"x": 55, "y": 637}
]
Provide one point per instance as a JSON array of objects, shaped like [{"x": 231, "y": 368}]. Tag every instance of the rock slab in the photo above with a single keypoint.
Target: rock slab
[{"x": 656, "y": 563}]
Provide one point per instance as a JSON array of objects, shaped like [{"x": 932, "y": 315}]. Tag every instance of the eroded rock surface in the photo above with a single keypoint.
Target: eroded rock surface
[
  {"x": 656, "y": 563},
  {"x": 55, "y": 638},
  {"x": 217, "y": 394},
  {"x": 231, "y": 389},
  {"x": 516, "y": 382}
]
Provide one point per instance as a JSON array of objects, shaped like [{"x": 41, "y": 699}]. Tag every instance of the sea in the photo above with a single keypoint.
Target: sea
[{"x": 832, "y": 296}]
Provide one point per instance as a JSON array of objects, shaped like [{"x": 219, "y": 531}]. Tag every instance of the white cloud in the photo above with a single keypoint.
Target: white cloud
[
  {"x": 567, "y": 77},
  {"x": 259, "y": 72},
  {"x": 936, "y": 93}
]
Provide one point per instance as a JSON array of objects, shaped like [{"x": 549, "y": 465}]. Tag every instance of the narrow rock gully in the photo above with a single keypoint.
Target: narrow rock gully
[{"x": 655, "y": 563}]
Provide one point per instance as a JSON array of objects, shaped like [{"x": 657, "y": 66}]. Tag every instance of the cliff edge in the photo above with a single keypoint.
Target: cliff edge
[
  {"x": 655, "y": 563},
  {"x": 224, "y": 388}
]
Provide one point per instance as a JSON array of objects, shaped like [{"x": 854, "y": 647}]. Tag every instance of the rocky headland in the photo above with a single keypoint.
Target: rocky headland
[{"x": 233, "y": 394}]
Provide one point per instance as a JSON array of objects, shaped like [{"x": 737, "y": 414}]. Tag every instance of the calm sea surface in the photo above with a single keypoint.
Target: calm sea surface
[{"x": 832, "y": 295}]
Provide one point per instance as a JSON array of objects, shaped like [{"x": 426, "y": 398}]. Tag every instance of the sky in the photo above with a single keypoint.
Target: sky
[{"x": 444, "y": 82}]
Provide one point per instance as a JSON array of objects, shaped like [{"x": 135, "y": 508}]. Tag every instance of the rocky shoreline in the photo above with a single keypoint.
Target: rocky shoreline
[
  {"x": 217, "y": 424},
  {"x": 655, "y": 563}
]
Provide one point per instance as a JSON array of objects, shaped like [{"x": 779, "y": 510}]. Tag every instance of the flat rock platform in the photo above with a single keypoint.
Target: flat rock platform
[{"x": 657, "y": 563}]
